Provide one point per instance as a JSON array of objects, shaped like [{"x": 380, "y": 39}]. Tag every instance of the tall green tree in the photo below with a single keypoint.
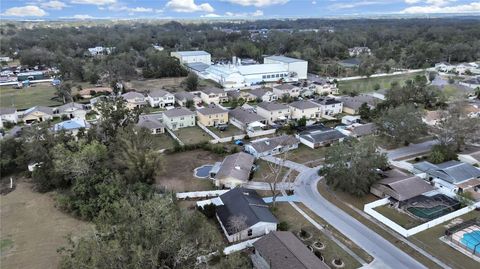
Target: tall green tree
[{"x": 191, "y": 82}]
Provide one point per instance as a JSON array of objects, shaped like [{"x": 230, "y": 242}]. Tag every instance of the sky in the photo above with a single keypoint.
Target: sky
[{"x": 253, "y": 9}]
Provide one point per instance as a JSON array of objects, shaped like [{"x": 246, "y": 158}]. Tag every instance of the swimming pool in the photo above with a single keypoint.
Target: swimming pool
[
  {"x": 430, "y": 212},
  {"x": 471, "y": 240},
  {"x": 203, "y": 171}
]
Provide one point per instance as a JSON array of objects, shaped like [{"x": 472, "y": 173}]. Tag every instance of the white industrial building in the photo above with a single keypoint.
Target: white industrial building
[
  {"x": 298, "y": 66},
  {"x": 193, "y": 56}
]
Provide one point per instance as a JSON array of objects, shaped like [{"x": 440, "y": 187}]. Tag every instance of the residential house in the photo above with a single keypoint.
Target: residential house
[
  {"x": 160, "y": 98},
  {"x": 357, "y": 51},
  {"x": 246, "y": 119},
  {"x": 283, "y": 250},
  {"x": 264, "y": 94},
  {"x": 244, "y": 215},
  {"x": 330, "y": 106},
  {"x": 181, "y": 98},
  {"x": 399, "y": 186},
  {"x": 233, "y": 171},
  {"x": 8, "y": 114},
  {"x": 177, "y": 118},
  {"x": 212, "y": 115},
  {"x": 349, "y": 120},
  {"x": 272, "y": 146},
  {"x": 319, "y": 135},
  {"x": 72, "y": 126},
  {"x": 351, "y": 105},
  {"x": 241, "y": 95},
  {"x": 305, "y": 108},
  {"x": 325, "y": 87},
  {"x": 134, "y": 100},
  {"x": 37, "y": 114},
  {"x": 444, "y": 67},
  {"x": 470, "y": 155},
  {"x": 273, "y": 112},
  {"x": 452, "y": 176},
  {"x": 72, "y": 110},
  {"x": 152, "y": 122},
  {"x": 213, "y": 95},
  {"x": 360, "y": 130},
  {"x": 286, "y": 90}
]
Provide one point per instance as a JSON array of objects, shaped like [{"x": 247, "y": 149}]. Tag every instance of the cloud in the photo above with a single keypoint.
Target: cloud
[
  {"x": 188, "y": 6},
  {"x": 94, "y": 2},
  {"x": 354, "y": 4},
  {"x": 25, "y": 11},
  {"x": 121, "y": 7},
  {"x": 57, "y": 5},
  {"x": 257, "y": 3},
  {"x": 82, "y": 17},
  {"x": 314, "y": 2},
  {"x": 431, "y": 2},
  {"x": 465, "y": 8},
  {"x": 256, "y": 13}
]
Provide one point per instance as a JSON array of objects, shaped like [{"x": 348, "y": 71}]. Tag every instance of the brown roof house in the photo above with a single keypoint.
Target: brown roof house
[
  {"x": 283, "y": 250},
  {"x": 152, "y": 122},
  {"x": 243, "y": 215},
  {"x": 233, "y": 171}
]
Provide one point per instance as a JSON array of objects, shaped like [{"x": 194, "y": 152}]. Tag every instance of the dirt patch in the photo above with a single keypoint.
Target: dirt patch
[
  {"x": 177, "y": 174},
  {"x": 34, "y": 229}
]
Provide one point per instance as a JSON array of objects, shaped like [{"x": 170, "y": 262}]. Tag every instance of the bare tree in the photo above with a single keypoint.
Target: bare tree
[{"x": 237, "y": 224}]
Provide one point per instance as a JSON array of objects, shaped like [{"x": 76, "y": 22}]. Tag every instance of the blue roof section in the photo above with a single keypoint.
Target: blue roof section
[
  {"x": 451, "y": 171},
  {"x": 199, "y": 67},
  {"x": 70, "y": 125}
]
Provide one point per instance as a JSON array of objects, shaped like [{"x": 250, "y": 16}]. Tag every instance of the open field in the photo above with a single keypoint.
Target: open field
[
  {"x": 33, "y": 229},
  {"x": 305, "y": 154},
  {"x": 149, "y": 84},
  {"x": 192, "y": 135},
  {"x": 296, "y": 222},
  {"x": 399, "y": 218},
  {"x": 351, "y": 205},
  {"x": 231, "y": 131},
  {"x": 40, "y": 94},
  {"x": 177, "y": 170},
  {"x": 368, "y": 84},
  {"x": 429, "y": 240},
  {"x": 163, "y": 141}
]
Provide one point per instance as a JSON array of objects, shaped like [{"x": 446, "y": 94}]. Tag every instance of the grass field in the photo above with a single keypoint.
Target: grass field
[
  {"x": 231, "y": 131},
  {"x": 40, "y": 94},
  {"x": 399, "y": 218},
  {"x": 33, "y": 229},
  {"x": 149, "y": 84},
  {"x": 368, "y": 84},
  {"x": 296, "y": 222},
  {"x": 176, "y": 171},
  {"x": 192, "y": 135},
  {"x": 305, "y": 154},
  {"x": 163, "y": 141}
]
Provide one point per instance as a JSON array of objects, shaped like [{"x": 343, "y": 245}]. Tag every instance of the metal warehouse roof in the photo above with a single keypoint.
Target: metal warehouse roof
[
  {"x": 192, "y": 53},
  {"x": 284, "y": 59},
  {"x": 261, "y": 69}
]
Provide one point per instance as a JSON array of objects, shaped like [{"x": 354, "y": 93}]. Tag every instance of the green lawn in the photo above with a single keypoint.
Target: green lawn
[
  {"x": 192, "y": 135},
  {"x": 263, "y": 169},
  {"x": 399, "y": 218},
  {"x": 39, "y": 94},
  {"x": 231, "y": 131},
  {"x": 163, "y": 141},
  {"x": 305, "y": 154},
  {"x": 148, "y": 84},
  {"x": 5, "y": 244},
  {"x": 368, "y": 84},
  {"x": 285, "y": 212}
]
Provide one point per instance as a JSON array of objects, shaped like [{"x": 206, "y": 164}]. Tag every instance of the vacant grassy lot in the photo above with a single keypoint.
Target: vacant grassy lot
[
  {"x": 176, "y": 173},
  {"x": 230, "y": 131},
  {"x": 33, "y": 229},
  {"x": 399, "y": 218},
  {"x": 39, "y": 94},
  {"x": 192, "y": 135},
  {"x": 368, "y": 84},
  {"x": 296, "y": 222},
  {"x": 305, "y": 154},
  {"x": 163, "y": 141},
  {"x": 429, "y": 240},
  {"x": 148, "y": 84}
]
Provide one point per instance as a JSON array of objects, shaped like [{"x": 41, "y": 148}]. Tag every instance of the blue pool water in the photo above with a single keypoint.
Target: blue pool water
[
  {"x": 470, "y": 240},
  {"x": 203, "y": 171}
]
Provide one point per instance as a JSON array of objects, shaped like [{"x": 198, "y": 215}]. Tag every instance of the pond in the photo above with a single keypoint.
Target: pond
[{"x": 203, "y": 171}]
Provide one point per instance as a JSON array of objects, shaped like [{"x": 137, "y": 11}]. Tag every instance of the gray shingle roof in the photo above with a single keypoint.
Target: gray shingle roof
[
  {"x": 321, "y": 136},
  {"x": 260, "y": 92},
  {"x": 184, "y": 96},
  {"x": 402, "y": 187},
  {"x": 7, "y": 110},
  {"x": 264, "y": 145},
  {"x": 304, "y": 104},
  {"x": 151, "y": 121},
  {"x": 157, "y": 93},
  {"x": 283, "y": 250},
  {"x": 451, "y": 171},
  {"x": 244, "y": 116},
  {"x": 70, "y": 106},
  {"x": 212, "y": 90},
  {"x": 44, "y": 109},
  {"x": 364, "y": 129},
  {"x": 238, "y": 166},
  {"x": 272, "y": 106},
  {"x": 356, "y": 101},
  {"x": 132, "y": 95},
  {"x": 285, "y": 87},
  {"x": 178, "y": 112},
  {"x": 243, "y": 202},
  {"x": 211, "y": 109}
]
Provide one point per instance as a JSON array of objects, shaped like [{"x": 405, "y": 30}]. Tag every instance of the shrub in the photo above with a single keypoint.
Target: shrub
[
  {"x": 208, "y": 210},
  {"x": 283, "y": 226}
]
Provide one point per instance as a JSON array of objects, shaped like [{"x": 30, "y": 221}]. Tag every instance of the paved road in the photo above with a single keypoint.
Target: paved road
[
  {"x": 289, "y": 164},
  {"x": 257, "y": 185},
  {"x": 411, "y": 150},
  {"x": 386, "y": 255}
]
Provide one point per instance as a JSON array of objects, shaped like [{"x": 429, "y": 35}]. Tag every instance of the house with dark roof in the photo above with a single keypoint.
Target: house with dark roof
[
  {"x": 352, "y": 104},
  {"x": 37, "y": 114},
  {"x": 181, "y": 98},
  {"x": 359, "y": 130},
  {"x": 329, "y": 106},
  {"x": 400, "y": 186},
  {"x": 160, "y": 98},
  {"x": 246, "y": 119},
  {"x": 319, "y": 135},
  {"x": 72, "y": 110},
  {"x": 212, "y": 115},
  {"x": 273, "y": 112},
  {"x": 244, "y": 215},
  {"x": 152, "y": 122},
  {"x": 233, "y": 171},
  {"x": 453, "y": 176},
  {"x": 177, "y": 118},
  {"x": 283, "y": 250},
  {"x": 272, "y": 146}
]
